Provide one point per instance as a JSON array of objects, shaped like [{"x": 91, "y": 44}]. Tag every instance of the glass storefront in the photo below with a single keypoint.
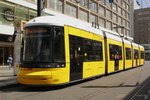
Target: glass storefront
[
  {"x": 11, "y": 15},
  {"x": 5, "y": 52},
  {"x": 6, "y": 13}
]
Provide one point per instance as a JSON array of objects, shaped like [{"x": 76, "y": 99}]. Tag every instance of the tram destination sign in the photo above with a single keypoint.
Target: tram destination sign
[{"x": 35, "y": 30}]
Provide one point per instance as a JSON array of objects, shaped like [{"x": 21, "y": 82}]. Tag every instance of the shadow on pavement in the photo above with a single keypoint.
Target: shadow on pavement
[{"x": 25, "y": 88}]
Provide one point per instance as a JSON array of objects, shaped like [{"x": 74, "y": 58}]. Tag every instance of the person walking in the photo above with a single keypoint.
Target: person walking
[{"x": 10, "y": 60}]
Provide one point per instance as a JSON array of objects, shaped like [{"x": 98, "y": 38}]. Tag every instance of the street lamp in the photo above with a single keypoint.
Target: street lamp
[{"x": 40, "y": 7}]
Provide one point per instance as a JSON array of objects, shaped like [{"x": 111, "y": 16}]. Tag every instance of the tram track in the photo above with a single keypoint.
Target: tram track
[
  {"x": 138, "y": 92},
  {"x": 111, "y": 85}
]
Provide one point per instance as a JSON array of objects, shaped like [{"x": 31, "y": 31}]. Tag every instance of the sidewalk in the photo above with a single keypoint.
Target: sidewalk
[{"x": 7, "y": 76}]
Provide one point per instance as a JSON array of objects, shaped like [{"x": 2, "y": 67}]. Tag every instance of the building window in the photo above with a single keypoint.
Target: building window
[
  {"x": 114, "y": 28},
  {"x": 108, "y": 14},
  {"x": 93, "y": 6},
  {"x": 120, "y": 2},
  {"x": 119, "y": 10},
  {"x": 55, "y": 4},
  {"x": 93, "y": 18},
  {"x": 123, "y": 22},
  {"x": 114, "y": 17},
  {"x": 128, "y": 32},
  {"x": 114, "y": 7},
  {"x": 119, "y": 20},
  {"x": 71, "y": 10},
  {"x": 108, "y": 3},
  {"x": 59, "y": 5},
  {"x": 101, "y": 10},
  {"x": 123, "y": 13},
  {"x": 108, "y": 25},
  {"x": 140, "y": 13},
  {"x": 128, "y": 9},
  {"x": 128, "y": 16},
  {"x": 101, "y": 22},
  {"x": 124, "y": 4},
  {"x": 83, "y": 15},
  {"x": 84, "y": 3}
]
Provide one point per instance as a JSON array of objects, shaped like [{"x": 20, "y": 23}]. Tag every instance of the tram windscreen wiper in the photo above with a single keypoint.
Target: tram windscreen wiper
[{"x": 42, "y": 56}]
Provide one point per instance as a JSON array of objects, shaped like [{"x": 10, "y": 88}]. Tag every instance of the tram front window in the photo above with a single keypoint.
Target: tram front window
[
  {"x": 43, "y": 45},
  {"x": 37, "y": 44}
]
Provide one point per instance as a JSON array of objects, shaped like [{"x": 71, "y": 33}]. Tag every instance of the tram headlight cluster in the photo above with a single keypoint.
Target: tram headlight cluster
[{"x": 52, "y": 65}]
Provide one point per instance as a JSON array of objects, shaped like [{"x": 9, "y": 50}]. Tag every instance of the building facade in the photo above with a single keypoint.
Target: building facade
[
  {"x": 134, "y": 5},
  {"x": 142, "y": 29},
  {"x": 11, "y": 15},
  {"x": 108, "y": 15}
]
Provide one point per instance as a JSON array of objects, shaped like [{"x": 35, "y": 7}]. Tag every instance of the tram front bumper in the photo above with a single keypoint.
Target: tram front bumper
[{"x": 35, "y": 78}]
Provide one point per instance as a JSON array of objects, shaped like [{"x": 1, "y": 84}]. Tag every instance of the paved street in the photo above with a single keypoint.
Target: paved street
[
  {"x": 5, "y": 72},
  {"x": 120, "y": 86},
  {"x": 6, "y": 76}
]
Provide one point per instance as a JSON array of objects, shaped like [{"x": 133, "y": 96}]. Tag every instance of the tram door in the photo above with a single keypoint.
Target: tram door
[{"x": 76, "y": 62}]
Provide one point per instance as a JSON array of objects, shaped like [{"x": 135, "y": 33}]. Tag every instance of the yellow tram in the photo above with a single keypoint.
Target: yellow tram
[{"x": 58, "y": 51}]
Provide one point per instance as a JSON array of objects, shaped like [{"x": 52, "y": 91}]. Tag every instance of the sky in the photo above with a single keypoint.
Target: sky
[{"x": 144, "y": 3}]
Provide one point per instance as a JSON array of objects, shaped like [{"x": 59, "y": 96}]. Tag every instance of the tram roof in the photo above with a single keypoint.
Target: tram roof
[
  {"x": 141, "y": 46},
  {"x": 134, "y": 44},
  {"x": 63, "y": 20},
  {"x": 127, "y": 41}
]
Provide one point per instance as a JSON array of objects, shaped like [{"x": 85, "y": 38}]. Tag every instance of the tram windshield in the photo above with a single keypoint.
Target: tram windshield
[{"x": 43, "y": 44}]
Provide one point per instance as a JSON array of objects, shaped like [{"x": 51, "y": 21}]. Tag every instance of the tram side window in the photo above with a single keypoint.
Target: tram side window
[
  {"x": 80, "y": 48},
  {"x": 113, "y": 50},
  {"x": 128, "y": 53},
  {"x": 98, "y": 50},
  {"x": 88, "y": 50},
  {"x": 142, "y": 55},
  {"x": 59, "y": 53},
  {"x": 93, "y": 50},
  {"x": 136, "y": 54}
]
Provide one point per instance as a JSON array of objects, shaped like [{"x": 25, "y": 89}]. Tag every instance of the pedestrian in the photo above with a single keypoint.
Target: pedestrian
[
  {"x": 116, "y": 58},
  {"x": 10, "y": 60}
]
